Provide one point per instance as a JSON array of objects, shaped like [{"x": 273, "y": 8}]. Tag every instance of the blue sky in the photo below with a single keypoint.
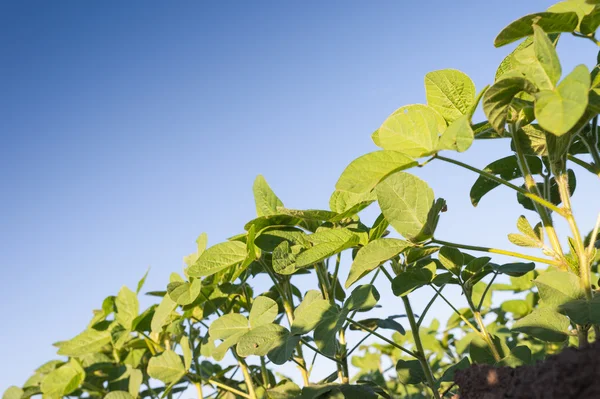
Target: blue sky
[{"x": 128, "y": 128}]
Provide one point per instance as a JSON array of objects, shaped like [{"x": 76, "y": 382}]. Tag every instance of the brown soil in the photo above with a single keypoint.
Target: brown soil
[{"x": 572, "y": 374}]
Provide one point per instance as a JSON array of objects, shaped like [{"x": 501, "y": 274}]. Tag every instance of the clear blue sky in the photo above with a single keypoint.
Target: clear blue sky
[{"x": 128, "y": 128}]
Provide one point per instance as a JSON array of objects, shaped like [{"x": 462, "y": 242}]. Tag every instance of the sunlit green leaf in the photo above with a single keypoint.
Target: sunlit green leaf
[
  {"x": 544, "y": 324},
  {"x": 450, "y": 92},
  {"x": 166, "y": 367},
  {"x": 372, "y": 255},
  {"x": 365, "y": 172},
  {"x": 557, "y": 111},
  {"x": 550, "y": 22},
  {"x": 412, "y": 130},
  {"x": 217, "y": 258}
]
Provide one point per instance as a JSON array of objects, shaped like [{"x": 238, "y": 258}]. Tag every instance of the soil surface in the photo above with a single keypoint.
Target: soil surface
[{"x": 572, "y": 374}]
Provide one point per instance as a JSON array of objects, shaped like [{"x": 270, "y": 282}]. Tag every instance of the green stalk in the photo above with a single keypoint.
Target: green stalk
[
  {"x": 420, "y": 351},
  {"x": 247, "y": 378},
  {"x": 486, "y": 335},
  {"x": 198, "y": 386},
  {"x": 592, "y": 168},
  {"x": 463, "y": 318},
  {"x": 343, "y": 357},
  {"x": 535, "y": 197},
  {"x": 584, "y": 267},
  {"x": 376, "y": 334},
  {"x": 532, "y": 188},
  {"x": 497, "y": 251},
  {"x": 265, "y": 376}
]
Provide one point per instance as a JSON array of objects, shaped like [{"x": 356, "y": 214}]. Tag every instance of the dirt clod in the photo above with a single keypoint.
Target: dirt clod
[{"x": 572, "y": 374}]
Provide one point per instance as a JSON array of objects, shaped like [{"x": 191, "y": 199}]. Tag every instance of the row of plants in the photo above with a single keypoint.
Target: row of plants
[{"x": 212, "y": 331}]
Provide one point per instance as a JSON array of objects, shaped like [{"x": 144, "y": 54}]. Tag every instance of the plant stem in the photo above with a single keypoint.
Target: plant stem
[
  {"x": 335, "y": 274},
  {"x": 304, "y": 342},
  {"x": 593, "y": 238},
  {"x": 247, "y": 378},
  {"x": 584, "y": 267},
  {"x": 532, "y": 188},
  {"x": 265, "y": 375},
  {"x": 497, "y": 251},
  {"x": 389, "y": 341},
  {"x": 463, "y": 318},
  {"x": 323, "y": 281},
  {"x": 485, "y": 334},
  {"x": 486, "y": 291},
  {"x": 420, "y": 351},
  {"x": 592, "y": 168},
  {"x": 228, "y": 388},
  {"x": 422, "y": 317},
  {"x": 198, "y": 386},
  {"x": 343, "y": 357},
  {"x": 534, "y": 197}
]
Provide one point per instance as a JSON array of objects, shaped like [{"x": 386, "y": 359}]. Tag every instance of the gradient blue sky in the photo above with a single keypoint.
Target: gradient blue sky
[{"x": 128, "y": 128}]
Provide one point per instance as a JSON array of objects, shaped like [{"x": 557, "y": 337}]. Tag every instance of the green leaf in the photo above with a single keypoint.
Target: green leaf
[
  {"x": 264, "y": 311},
  {"x": 284, "y": 390},
  {"x": 162, "y": 314},
  {"x": 519, "y": 356},
  {"x": 284, "y": 260},
  {"x": 347, "y": 203},
  {"x": 413, "y": 278},
  {"x": 140, "y": 283},
  {"x": 364, "y": 297},
  {"x": 450, "y": 92},
  {"x": 524, "y": 241},
  {"x": 89, "y": 341},
  {"x": 406, "y": 201},
  {"x": 518, "y": 307},
  {"x": 282, "y": 352},
  {"x": 412, "y": 130},
  {"x": 217, "y": 258},
  {"x": 582, "y": 311},
  {"x": 325, "y": 332},
  {"x": 516, "y": 269},
  {"x": 544, "y": 324},
  {"x": 187, "y": 352},
  {"x": 365, "y": 172},
  {"x": 184, "y": 293},
  {"x": 546, "y": 55},
  {"x": 310, "y": 312},
  {"x": 13, "y": 392},
  {"x": 127, "y": 307},
  {"x": 385, "y": 324},
  {"x": 589, "y": 24},
  {"x": 327, "y": 243},
  {"x": 201, "y": 243},
  {"x": 525, "y": 227},
  {"x": 498, "y": 98},
  {"x": 548, "y": 21},
  {"x": 63, "y": 380},
  {"x": 506, "y": 168},
  {"x": 458, "y": 136},
  {"x": 557, "y": 288},
  {"x": 410, "y": 372},
  {"x": 481, "y": 353},
  {"x": 448, "y": 375},
  {"x": 473, "y": 267},
  {"x": 261, "y": 340},
  {"x": 265, "y": 199},
  {"x": 118, "y": 395},
  {"x": 372, "y": 255},
  {"x": 452, "y": 259},
  {"x": 166, "y": 367},
  {"x": 557, "y": 111},
  {"x": 228, "y": 325}
]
